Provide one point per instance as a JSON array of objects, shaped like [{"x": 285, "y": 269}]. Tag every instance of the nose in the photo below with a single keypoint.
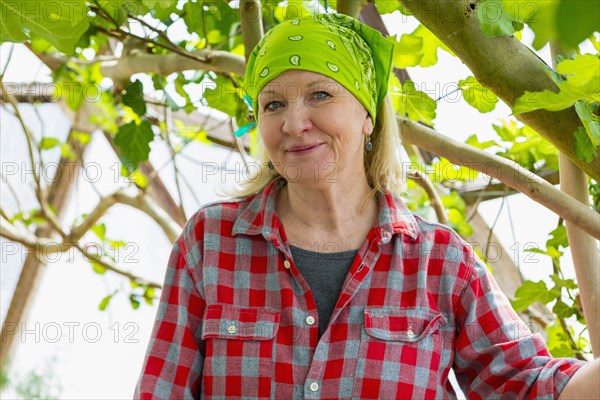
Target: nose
[{"x": 297, "y": 119}]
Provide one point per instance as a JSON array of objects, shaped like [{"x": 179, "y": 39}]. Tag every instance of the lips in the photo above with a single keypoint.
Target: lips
[{"x": 302, "y": 148}]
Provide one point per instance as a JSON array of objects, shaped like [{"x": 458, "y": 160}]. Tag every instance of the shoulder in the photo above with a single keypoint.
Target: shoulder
[
  {"x": 211, "y": 217},
  {"x": 438, "y": 233}
]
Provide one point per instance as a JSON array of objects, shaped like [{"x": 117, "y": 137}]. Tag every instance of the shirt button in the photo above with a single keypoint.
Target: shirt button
[
  {"x": 410, "y": 333},
  {"x": 287, "y": 264},
  {"x": 231, "y": 329},
  {"x": 314, "y": 386},
  {"x": 310, "y": 320}
]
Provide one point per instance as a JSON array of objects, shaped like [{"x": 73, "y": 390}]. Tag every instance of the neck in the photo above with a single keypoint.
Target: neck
[{"x": 327, "y": 208}]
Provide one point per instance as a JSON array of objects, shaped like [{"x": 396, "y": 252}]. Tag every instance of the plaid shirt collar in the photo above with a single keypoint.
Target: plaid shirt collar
[{"x": 260, "y": 217}]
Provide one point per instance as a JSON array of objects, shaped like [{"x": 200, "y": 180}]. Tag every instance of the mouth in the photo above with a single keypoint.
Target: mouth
[{"x": 305, "y": 149}]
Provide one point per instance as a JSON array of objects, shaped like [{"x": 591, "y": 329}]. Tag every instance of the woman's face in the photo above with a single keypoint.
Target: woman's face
[{"x": 313, "y": 128}]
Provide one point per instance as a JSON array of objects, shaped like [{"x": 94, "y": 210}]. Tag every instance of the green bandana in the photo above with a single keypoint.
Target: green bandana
[{"x": 335, "y": 45}]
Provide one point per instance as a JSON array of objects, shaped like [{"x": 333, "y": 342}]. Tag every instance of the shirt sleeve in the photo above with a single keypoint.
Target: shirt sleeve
[
  {"x": 497, "y": 355},
  {"x": 173, "y": 364}
]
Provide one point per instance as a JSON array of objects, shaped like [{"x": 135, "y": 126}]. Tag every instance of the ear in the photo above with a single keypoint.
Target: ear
[{"x": 367, "y": 125}]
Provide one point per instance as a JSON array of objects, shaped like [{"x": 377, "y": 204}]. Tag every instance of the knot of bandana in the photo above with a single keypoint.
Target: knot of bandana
[{"x": 335, "y": 45}]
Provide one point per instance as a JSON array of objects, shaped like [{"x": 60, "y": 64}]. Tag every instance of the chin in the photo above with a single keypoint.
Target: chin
[{"x": 310, "y": 173}]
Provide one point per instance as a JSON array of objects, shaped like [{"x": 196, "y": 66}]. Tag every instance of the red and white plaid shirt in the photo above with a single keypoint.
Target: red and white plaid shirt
[{"x": 236, "y": 319}]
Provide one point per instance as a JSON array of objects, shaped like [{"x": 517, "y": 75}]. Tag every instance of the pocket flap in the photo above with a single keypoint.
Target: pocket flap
[
  {"x": 407, "y": 325},
  {"x": 229, "y": 322}
]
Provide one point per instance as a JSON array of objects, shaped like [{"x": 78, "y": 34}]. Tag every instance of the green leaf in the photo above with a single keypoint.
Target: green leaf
[
  {"x": 519, "y": 147},
  {"x": 445, "y": 171},
  {"x": 558, "y": 341},
  {"x": 180, "y": 82},
  {"x": 60, "y": 23},
  {"x": 413, "y": 104},
  {"x": 530, "y": 292},
  {"x": 582, "y": 70},
  {"x": 100, "y": 231},
  {"x": 66, "y": 151},
  {"x": 99, "y": 269},
  {"x": 191, "y": 132},
  {"x": 558, "y": 237},
  {"x": 204, "y": 17},
  {"x": 454, "y": 200},
  {"x": 192, "y": 15},
  {"x": 135, "y": 304},
  {"x": 417, "y": 48},
  {"x": 477, "y": 95},
  {"x": 104, "y": 303},
  {"x": 134, "y": 142},
  {"x": 474, "y": 141},
  {"x": 407, "y": 52},
  {"x": 550, "y": 252},
  {"x": 49, "y": 143},
  {"x": 431, "y": 44},
  {"x": 465, "y": 229},
  {"x": 455, "y": 217},
  {"x": 224, "y": 97},
  {"x": 592, "y": 127},
  {"x": 387, "y": 6},
  {"x": 576, "y": 20},
  {"x": 149, "y": 296},
  {"x": 584, "y": 148},
  {"x": 493, "y": 18},
  {"x": 567, "y": 96},
  {"x": 508, "y": 131},
  {"x": 134, "y": 97},
  {"x": 81, "y": 137},
  {"x": 564, "y": 283}
]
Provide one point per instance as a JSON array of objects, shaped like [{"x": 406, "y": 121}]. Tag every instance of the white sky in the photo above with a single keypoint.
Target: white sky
[{"x": 96, "y": 354}]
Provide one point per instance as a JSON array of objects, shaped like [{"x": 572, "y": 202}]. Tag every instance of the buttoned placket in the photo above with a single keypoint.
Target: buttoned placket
[
  {"x": 312, "y": 386},
  {"x": 311, "y": 314}
]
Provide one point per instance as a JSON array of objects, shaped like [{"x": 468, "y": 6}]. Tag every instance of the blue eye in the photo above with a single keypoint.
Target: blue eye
[
  {"x": 268, "y": 106},
  {"x": 321, "y": 95}
]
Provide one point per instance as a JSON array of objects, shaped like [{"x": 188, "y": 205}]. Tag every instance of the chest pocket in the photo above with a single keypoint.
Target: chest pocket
[
  {"x": 239, "y": 350},
  {"x": 230, "y": 322},
  {"x": 405, "y": 325},
  {"x": 400, "y": 349}
]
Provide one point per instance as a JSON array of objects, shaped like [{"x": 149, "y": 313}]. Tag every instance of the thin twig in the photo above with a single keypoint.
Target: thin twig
[
  {"x": 102, "y": 260},
  {"x": 421, "y": 179},
  {"x": 29, "y": 138},
  {"x": 12, "y": 191},
  {"x": 168, "y": 118},
  {"x": 8, "y": 58},
  {"x": 491, "y": 231}
]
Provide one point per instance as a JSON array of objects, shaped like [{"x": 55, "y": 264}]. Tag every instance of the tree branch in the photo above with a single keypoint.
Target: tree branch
[
  {"x": 142, "y": 202},
  {"x": 505, "y": 66},
  {"x": 146, "y": 204},
  {"x": 507, "y": 171},
  {"x": 45, "y": 247},
  {"x": 137, "y": 61},
  {"x": 351, "y": 7},
  {"x": 251, "y": 24},
  {"x": 423, "y": 181}
]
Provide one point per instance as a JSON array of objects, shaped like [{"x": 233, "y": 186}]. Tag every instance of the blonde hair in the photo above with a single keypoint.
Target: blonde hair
[{"x": 383, "y": 164}]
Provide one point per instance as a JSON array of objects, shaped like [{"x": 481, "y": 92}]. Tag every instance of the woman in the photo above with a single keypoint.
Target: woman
[{"x": 318, "y": 282}]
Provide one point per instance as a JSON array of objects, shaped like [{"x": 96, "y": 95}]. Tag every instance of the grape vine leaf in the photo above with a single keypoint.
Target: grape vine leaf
[
  {"x": 60, "y": 23},
  {"x": 412, "y": 103},
  {"x": 134, "y": 142},
  {"x": 584, "y": 149},
  {"x": 477, "y": 95}
]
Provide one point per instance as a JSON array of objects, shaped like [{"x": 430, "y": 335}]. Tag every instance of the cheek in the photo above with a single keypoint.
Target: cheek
[{"x": 268, "y": 137}]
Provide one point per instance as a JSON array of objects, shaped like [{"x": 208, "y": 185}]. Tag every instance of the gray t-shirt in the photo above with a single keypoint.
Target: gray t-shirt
[{"x": 325, "y": 273}]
